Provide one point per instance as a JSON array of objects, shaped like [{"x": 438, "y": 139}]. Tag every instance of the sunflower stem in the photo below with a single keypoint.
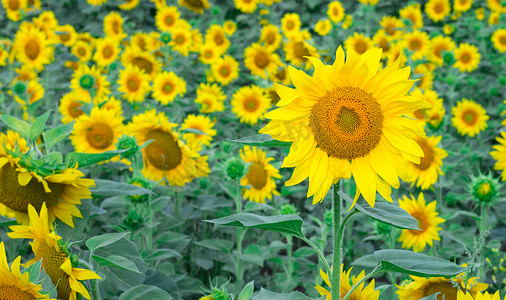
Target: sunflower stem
[
  {"x": 95, "y": 293},
  {"x": 373, "y": 272},
  {"x": 238, "y": 206},
  {"x": 482, "y": 239},
  {"x": 318, "y": 252},
  {"x": 338, "y": 243}
]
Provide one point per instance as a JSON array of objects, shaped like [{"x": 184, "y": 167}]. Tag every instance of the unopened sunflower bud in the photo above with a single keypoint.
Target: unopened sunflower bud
[
  {"x": 130, "y": 143},
  {"x": 485, "y": 189},
  {"x": 87, "y": 82},
  {"x": 133, "y": 220},
  {"x": 235, "y": 168},
  {"x": 287, "y": 209}
]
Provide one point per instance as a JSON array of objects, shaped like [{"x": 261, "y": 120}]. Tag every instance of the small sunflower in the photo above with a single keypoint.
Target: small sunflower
[
  {"x": 181, "y": 40},
  {"x": 133, "y": 83},
  {"x": 82, "y": 50},
  {"x": 260, "y": 61},
  {"x": 281, "y": 76},
  {"x": 298, "y": 49},
  {"x": 246, "y": 6},
  {"x": 260, "y": 176},
  {"x": 86, "y": 79},
  {"x": 413, "y": 13},
  {"x": 55, "y": 261},
  {"x": 323, "y": 27},
  {"x": 71, "y": 104},
  {"x": 66, "y": 35},
  {"x": 128, "y": 4},
  {"x": 469, "y": 117},
  {"x": 106, "y": 52},
  {"x": 270, "y": 37},
  {"x": 14, "y": 284},
  {"x": 437, "y": 10},
  {"x": 290, "y": 23},
  {"x": 417, "y": 42},
  {"x": 392, "y": 25},
  {"x": 14, "y": 9},
  {"x": 32, "y": 48},
  {"x": 216, "y": 35},
  {"x": 499, "y": 40},
  {"x": 249, "y": 103},
  {"x": 230, "y": 27},
  {"x": 210, "y": 97},
  {"x": 141, "y": 59},
  {"x": 382, "y": 40},
  {"x": 462, "y": 5},
  {"x": 167, "y": 156},
  {"x": 358, "y": 44},
  {"x": 225, "y": 69},
  {"x": 113, "y": 26},
  {"x": 426, "y": 173},
  {"x": 496, "y": 6},
  {"x": 467, "y": 57},
  {"x": 438, "y": 44},
  {"x": 208, "y": 53},
  {"x": 202, "y": 123},
  {"x": 335, "y": 11},
  {"x": 396, "y": 52},
  {"x": 361, "y": 293},
  {"x": 34, "y": 92},
  {"x": 166, "y": 86},
  {"x": 166, "y": 18},
  {"x": 428, "y": 221}
]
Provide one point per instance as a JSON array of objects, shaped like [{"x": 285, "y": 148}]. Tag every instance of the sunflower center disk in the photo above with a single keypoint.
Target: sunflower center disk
[
  {"x": 32, "y": 49},
  {"x": 195, "y": 3},
  {"x": 422, "y": 223},
  {"x": 261, "y": 60},
  {"x": 251, "y": 104},
  {"x": 470, "y": 117},
  {"x": 143, "y": 63},
  {"x": 257, "y": 176},
  {"x": 10, "y": 292},
  {"x": 100, "y": 136},
  {"x": 163, "y": 152},
  {"x": 18, "y": 197},
  {"x": 428, "y": 156},
  {"x": 445, "y": 289},
  {"x": 51, "y": 262},
  {"x": 300, "y": 51},
  {"x": 347, "y": 123}
]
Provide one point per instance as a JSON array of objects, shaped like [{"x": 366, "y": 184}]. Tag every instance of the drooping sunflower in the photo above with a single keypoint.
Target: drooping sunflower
[
  {"x": 499, "y": 40},
  {"x": 133, "y": 83},
  {"x": 448, "y": 287},
  {"x": 335, "y": 11},
  {"x": 86, "y": 79},
  {"x": 260, "y": 176},
  {"x": 113, "y": 26},
  {"x": 437, "y": 10},
  {"x": 14, "y": 284},
  {"x": 145, "y": 61},
  {"x": 34, "y": 92},
  {"x": 418, "y": 42},
  {"x": 246, "y": 6},
  {"x": 71, "y": 104},
  {"x": 216, "y": 35},
  {"x": 261, "y": 61},
  {"x": 225, "y": 69},
  {"x": 347, "y": 119},
  {"x": 361, "y": 293},
  {"x": 202, "y": 123},
  {"x": 97, "y": 132},
  {"x": 428, "y": 221},
  {"x": 426, "y": 173},
  {"x": 82, "y": 50},
  {"x": 462, "y": 5},
  {"x": 392, "y": 25},
  {"x": 467, "y": 57},
  {"x": 32, "y": 48},
  {"x": 249, "y": 103},
  {"x": 166, "y": 18},
  {"x": 412, "y": 13},
  {"x": 271, "y": 37},
  {"x": 469, "y": 117},
  {"x": 438, "y": 44},
  {"x": 167, "y": 156},
  {"x": 55, "y": 261},
  {"x": 106, "y": 52},
  {"x": 358, "y": 43},
  {"x": 166, "y": 86}
]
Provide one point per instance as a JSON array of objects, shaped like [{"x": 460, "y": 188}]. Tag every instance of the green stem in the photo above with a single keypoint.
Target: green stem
[
  {"x": 95, "y": 293},
  {"x": 176, "y": 205},
  {"x": 338, "y": 244},
  {"x": 289, "y": 240},
  {"x": 239, "y": 233},
  {"x": 375, "y": 271},
  {"x": 483, "y": 224},
  {"x": 318, "y": 252}
]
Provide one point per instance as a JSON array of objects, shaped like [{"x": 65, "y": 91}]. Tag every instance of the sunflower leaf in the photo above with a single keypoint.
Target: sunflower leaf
[
  {"x": 116, "y": 261},
  {"x": 412, "y": 263},
  {"x": 113, "y": 188},
  {"x": 103, "y": 240},
  {"x": 261, "y": 140},
  {"x": 20, "y": 126},
  {"x": 290, "y": 224},
  {"x": 53, "y": 136},
  {"x": 141, "y": 292},
  {"x": 86, "y": 159},
  {"x": 267, "y": 295},
  {"x": 38, "y": 125},
  {"x": 247, "y": 291}
]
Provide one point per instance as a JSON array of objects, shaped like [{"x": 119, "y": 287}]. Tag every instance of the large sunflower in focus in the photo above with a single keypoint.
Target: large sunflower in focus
[
  {"x": 260, "y": 175},
  {"x": 347, "y": 119}
]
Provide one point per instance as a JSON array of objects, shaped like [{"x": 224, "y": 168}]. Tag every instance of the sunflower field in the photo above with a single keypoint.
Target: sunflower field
[{"x": 253, "y": 149}]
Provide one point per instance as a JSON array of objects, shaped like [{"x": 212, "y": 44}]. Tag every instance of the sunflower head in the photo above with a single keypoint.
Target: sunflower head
[{"x": 484, "y": 188}]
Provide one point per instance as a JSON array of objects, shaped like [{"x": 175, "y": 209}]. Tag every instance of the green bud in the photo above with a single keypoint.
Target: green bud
[
  {"x": 64, "y": 247},
  {"x": 329, "y": 218},
  {"x": 494, "y": 92},
  {"x": 216, "y": 10},
  {"x": 226, "y": 146},
  {"x": 20, "y": 88},
  {"x": 113, "y": 66},
  {"x": 477, "y": 26},
  {"x": 235, "y": 168},
  {"x": 87, "y": 81},
  {"x": 133, "y": 220},
  {"x": 502, "y": 80},
  {"x": 130, "y": 143},
  {"x": 287, "y": 209},
  {"x": 450, "y": 79},
  {"x": 203, "y": 183},
  {"x": 448, "y": 58},
  {"x": 485, "y": 189},
  {"x": 165, "y": 37}
]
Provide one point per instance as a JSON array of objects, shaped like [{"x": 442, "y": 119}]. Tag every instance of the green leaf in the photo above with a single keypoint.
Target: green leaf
[
  {"x": 104, "y": 240},
  {"x": 412, "y": 263},
  {"x": 20, "y": 126},
  {"x": 142, "y": 292},
  {"x": 38, "y": 125},
  {"x": 86, "y": 159},
  {"x": 160, "y": 254},
  {"x": 262, "y": 140},
  {"x": 268, "y": 295},
  {"x": 216, "y": 244},
  {"x": 113, "y": 188},
  {"x": 304, "y": 252},
  {"x": 193, "y": 130},
  {"x": 386, "y": 213},
  {"x": 53, "y": 136},
  {"x": 4, "y": 221},
  {"x": 431, "y": 297},
  {"x": 116, "y": 261},
  {"x": 34, "y": 271},
  {"x": 247, "y": 291},
  {"x": 291, "y": 224}
]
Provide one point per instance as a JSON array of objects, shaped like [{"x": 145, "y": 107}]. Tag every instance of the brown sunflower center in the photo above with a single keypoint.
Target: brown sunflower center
[
  {"x": 470, "y": 117},
  {"x": 64, "y": 37},
  {"x": 438, "y": 49},
  {"x": 300, "y": 51},
  {"x": 51, "y": 262},
  {"x": 360, "y": 46},
  {"x": 143, "y": 63},
  {"x": 261, "y": 60},
  {"x": 133, "y": 83},
  {"x": 463, "y": 2},
  {"x": 335, "y": 11},
  {"x": 81, "y": 51},
  {"x": 14, "y": 4},
  {"x": 390, "y": 29},
  {"x": 219, "y": 39},
  {"x": 74, "y": 109},
  {"x": 225, "y": 71},
  {"x": 445, "y": 289},
  {"x": 415, "y": 44},
  {"x": 18, "y": 197},
  {"x": 270, "y": 38},
  {"x": 465, "y": 57},
  {"x": 274, "y": 96},
  {"x": 168, "y": 88},
  {"x": 281, "y": 74},
  {"x": 115, "y": 26},
  {"x": 195, "y": 3},
  {"x": 251, "y": 104},
  {"x": 419, "y": 114},
  {"x": 502, "y": 40},
  {"x": 257, "y": 176},
  {"x": 164, "y": 152},
  {"x": 423, "y": 224},
  {"x": 208, "y": 53},
  {"x": 180, "y": 40},
  {"x": 290, "y": 24},
  {"x": 100, "y": 135},
  {"x": 347, "y": 123},
  {"x": 32, "y": 49},
  {"x": 383, "y": 43},
  {"x": 107, "y": 52},
  {"x": 11, "y": 292},
  {"x": 439, "y": 7},
  {"x": 169, "y": 20},
  {"x": 428, "y": 155}
]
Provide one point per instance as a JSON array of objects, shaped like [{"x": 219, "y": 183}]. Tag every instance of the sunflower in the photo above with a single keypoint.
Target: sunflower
[
  {"x": 467, "y": 57},
  {"x": 382, "y": 40},
  {"x": 82, "y": 50},
  {"x": 216, "y": 35},
  {"x": 210, "y": 97},
  {"x": 166, "y": 86},
  {"x": 496, "y": 6},
  {"x": 323, "y": 27},
  {"x": 140, "y": 40},
  {"x": 417, "y": 42},
  {"x": 133, "y": 83},
  {"x": 437, "y": 10},
  {"x": 197, "y": 6},
  {"x": 392, "y": 26},
  {"x": 438, "y": 44},
  {"x": 86, "y": 79},
  {"x": 271, "y": 37},
  {"x": 143, "y": 60},
  {"x": 413, "y": 13},
  {"x": 96, "y": 2},
  {"x": 260, "y": 61},
  {"x": 290, "y": 23},
  {"x": 208, "y": 53},
  {"x": 462, "y": 5},
  {"x": 166, "y": 156},
  {"x": 3, "y": 56},
  {"x": 494, "y": 18},
  {"x": 358, "y": 44},
  {"x": 113, "y": 26},
  {"x": 128, "y": 4},
  {"x": 281, "y": 76},
  {"x": 181, "y": 40},
  {"x": 106, "y": 52},
  {"x": 297, "y": 50},
  {"x": 469, "y": 117},
  {"x": 448, "y": 287},
  {"x": 13, "y": 284},
  {"x": 478, "y": 296},
  {"x": 246, "y": 6},
  {"x": 14, "y": 9},
  {"x": 249, "y": 103},
  {"x": 396, "y": 52},
  {"x": 32, "y": 49},
  {"x": 436, "y": 113},
  {"x": 166, "y": 18},
  {"x": 202, "y": 123},
  {"x": 71, "y": 104},
  {"x": 66, "y": 35},
  {"x": 499, "y": 40},
  {"x": 46, "y": 21},
  {"x": 225, "y": 69},
  {"x": 426, "y": 173},
  {"x": 348, "y": 121},
  {"x": 335, "y": 11},
  {"x": 361, "y": 293},
  {"x": 428, "y": 222},
  {"x": 55, "y": 261},
  {"x": 499, "y": 154}
]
